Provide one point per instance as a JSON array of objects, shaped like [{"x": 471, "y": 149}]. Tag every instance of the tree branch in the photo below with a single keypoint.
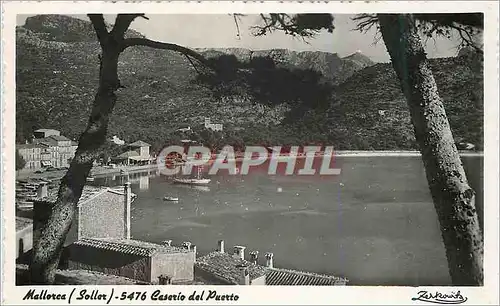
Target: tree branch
[
  {"x": 302, "y": 25},
  {"x": 364, "y": 22},
  {"x": 432, "y": 25},
  {"x": 467, "y": 39},
  {"x": 99, "y": 27},
  {"x": 122, "y": 24},
  {"x": 129, "y": 42}
]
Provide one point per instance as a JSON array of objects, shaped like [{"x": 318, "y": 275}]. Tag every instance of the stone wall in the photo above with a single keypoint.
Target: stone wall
[
  {"x": 259, "y": 281},
  {"x": 110, "y": 262},
  {"x": 178, "y": 266},
  {"x": 24, "y": 241},
  {"x": 102, "y": 217}
]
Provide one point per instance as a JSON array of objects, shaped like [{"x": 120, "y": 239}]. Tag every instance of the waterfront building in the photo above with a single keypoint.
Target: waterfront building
[
  {"x": 31, "y": 154},
  {"x": 137, "y": 155},
  {"x": 48, "y": 149}
]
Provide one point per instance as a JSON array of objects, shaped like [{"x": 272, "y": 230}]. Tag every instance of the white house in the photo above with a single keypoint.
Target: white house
[{"x": 212, "y": 126}]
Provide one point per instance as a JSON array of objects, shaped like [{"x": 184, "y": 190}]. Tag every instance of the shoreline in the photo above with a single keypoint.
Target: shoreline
[
  {"x": 94, "y": 172},
  {"x": 100, "y": 171},
  {"x": 396, "y": 153}
]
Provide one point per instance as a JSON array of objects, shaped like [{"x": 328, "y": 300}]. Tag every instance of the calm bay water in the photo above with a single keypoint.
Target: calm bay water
[{"x": 374, "y": 223}]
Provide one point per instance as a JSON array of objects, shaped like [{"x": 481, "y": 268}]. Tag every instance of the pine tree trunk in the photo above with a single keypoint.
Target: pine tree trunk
[
  {"x": 48, "y": 248},
  {"x": 453, "y": 197}
]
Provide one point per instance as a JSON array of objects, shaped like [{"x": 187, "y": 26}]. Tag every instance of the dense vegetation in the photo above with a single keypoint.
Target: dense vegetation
[{"x": 264, "y": 97}]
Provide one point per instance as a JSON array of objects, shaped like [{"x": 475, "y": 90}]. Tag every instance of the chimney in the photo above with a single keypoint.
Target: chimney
[
  {"x": 187, "y": 245},
  {"x": 253, "y": 256},
  {"x": 239, "y": 251},
  {"x": 128, "y": 200},
  {"x": 42, "y": 191},
  {"x": 269, "y": 260},
  {"x": 167, "y": 242},
  {"x": 220, "y": 246},
  {"x": 244, "y": 278}
]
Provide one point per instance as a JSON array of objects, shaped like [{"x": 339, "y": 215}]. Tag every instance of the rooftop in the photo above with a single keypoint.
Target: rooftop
[
  {"x": 283, "y": 277},
  {"x": 48, "y": 141},
  {"x": 225, "y": 266},
  {"x": 128, "y": 154},
  {"x": 129, "y": 246},
  {"x": 59, "y": 138},
  {"x": 46, "y": 130},
  {"x": 139, "y": 143},
  {"x": 27, "y": 146}
]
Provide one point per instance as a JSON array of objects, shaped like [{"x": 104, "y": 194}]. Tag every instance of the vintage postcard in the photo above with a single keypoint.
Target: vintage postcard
[{"x": 250, "y": 153}]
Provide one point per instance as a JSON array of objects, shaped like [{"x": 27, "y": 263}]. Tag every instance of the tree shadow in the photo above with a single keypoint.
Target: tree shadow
[{"x": 261, "y": 80}]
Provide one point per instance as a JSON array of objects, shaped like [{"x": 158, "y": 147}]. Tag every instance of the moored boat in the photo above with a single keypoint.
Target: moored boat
[
  {"x": 170, "y": 199},
  {"x": 191, "y": 181},
  {"x": 198, "y": 180},
  {"x": 23, "y": 205}
]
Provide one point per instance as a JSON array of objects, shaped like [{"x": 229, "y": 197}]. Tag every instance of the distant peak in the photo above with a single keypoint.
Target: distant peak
[{"x": 358, "y": 56}]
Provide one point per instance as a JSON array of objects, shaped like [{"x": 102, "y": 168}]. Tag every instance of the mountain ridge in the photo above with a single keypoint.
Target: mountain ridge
[{"x": 57, "y": 78}]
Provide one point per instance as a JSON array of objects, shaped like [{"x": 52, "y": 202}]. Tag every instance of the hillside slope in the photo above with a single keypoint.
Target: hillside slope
[{"x": 57, "y": 69}]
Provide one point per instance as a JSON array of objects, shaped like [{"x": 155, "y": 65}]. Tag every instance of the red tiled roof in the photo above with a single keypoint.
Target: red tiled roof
[
  {"x": 128, "y": 246},
  {"x": 225, "y": 266},
  {"x": 282, "y": 277}
]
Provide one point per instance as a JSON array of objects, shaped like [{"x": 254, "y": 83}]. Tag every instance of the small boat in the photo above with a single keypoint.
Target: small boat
[
  {"x": 170, "y": 199},
  {"x": 25, "y": 205},
  {"x": 191, "y": 181},
  {"x": 90, "y": 179},
  {"x": 27, "y": 195},
  {"x": 198, "y": 180}
]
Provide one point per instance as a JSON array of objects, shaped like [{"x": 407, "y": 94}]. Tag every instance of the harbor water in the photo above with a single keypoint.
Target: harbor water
[{"x": 374, "y": 223}]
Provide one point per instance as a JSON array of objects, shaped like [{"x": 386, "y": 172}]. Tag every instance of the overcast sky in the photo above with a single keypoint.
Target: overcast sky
[{"x": 219, "y": 31}]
